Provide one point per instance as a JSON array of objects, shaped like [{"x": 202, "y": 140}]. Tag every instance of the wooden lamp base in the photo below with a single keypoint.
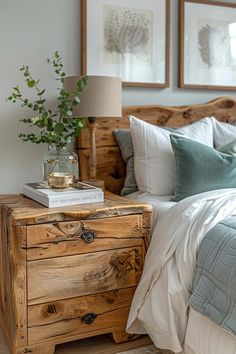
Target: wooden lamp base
[{"x": 92, "y": 125}]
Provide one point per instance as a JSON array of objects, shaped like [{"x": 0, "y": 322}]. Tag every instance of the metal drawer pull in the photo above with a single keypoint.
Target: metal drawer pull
[
  {"x": 88, "y": 236},
  {"x": 89, "y": 318}
]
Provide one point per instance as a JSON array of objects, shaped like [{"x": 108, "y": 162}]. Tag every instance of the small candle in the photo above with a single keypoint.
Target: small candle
[{"x": 60, "y": 180}]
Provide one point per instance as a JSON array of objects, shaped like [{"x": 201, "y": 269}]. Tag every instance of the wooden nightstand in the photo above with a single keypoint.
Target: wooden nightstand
[{"x": 68, "y": 273}]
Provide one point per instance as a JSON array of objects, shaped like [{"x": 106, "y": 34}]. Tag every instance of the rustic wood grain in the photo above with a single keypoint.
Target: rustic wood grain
[
  {"x": 48, "y": 274},
  {"x": 119, "y": 335},
  {"x": 17, "y": 260},
  {"x": 78, "y": 275},
  {"x": 68, "y": 248},
  {"x": 65, "y": 318},
  {"x": 110, "y": 165},
  {"x": 147, "y": 221},
  {"x": 65, "y": 238},
  {"x": 102, "y": 344},
  {"x": 25, "y": 211},
  {"x": 13, "y": 281}
]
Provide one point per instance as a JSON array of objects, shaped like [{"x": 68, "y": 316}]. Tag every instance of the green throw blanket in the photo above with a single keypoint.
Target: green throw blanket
[{"x": 214, "y": 286}]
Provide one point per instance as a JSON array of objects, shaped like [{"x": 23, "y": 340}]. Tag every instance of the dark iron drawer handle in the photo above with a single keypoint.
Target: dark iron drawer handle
[
  {"x": 88, "y": 236},
  {"x": 89, "y": 318}
]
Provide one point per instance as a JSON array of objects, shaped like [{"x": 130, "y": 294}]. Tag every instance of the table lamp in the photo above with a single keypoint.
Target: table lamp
[{"x": 101, "y": 98}]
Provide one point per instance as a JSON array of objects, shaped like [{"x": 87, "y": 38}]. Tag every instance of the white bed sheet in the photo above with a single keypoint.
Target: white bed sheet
[
  {"x": 202, "y": 336},
  {"x": 205, "y": 337},
  {"x": 160, "y": 204}
]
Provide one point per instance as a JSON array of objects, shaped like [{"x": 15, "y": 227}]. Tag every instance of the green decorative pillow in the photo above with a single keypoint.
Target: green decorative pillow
[{"x": 200, "y": 168}]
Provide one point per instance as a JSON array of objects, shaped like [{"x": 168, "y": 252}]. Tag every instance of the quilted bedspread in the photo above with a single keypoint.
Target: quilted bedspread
[{"x": 214, "y": 285}]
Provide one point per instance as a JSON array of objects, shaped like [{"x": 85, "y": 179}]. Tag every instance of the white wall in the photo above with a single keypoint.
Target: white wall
[{"x": 30, "y": 31}]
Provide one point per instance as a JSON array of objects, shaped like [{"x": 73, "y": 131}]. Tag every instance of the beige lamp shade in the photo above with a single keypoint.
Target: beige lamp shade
[{"x": 101, "y": 96}]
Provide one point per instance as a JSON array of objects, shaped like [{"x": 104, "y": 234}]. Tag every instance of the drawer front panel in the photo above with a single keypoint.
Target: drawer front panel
[
  {"x": 78, "y": 315},
  {"x": 66, "y": 277},
  {"x": 77, "y": 237}
]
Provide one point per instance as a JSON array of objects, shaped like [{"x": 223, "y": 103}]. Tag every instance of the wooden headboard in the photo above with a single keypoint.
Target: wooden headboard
[{"x": 110, "y": 165}]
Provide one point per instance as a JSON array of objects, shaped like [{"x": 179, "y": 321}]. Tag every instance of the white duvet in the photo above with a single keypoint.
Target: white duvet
[{"x": 159, "y": 306}]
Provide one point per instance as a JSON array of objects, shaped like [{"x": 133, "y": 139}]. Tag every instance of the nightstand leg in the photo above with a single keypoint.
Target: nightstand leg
[
  {"x": 45, "y": 348},
  {"x": 120, "y": 335}
]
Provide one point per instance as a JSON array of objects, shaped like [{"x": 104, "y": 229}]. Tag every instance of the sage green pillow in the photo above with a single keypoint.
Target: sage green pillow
[{"x": 200, "y": 168}]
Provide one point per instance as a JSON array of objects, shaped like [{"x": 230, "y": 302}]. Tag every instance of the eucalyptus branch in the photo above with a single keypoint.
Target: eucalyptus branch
[{"x": 56, "y": 126}]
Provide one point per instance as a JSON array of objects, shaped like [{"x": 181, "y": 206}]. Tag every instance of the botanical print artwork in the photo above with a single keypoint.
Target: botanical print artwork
[
  {"x": 214, "y": 43},
  {"x": 127, "y": 34}
]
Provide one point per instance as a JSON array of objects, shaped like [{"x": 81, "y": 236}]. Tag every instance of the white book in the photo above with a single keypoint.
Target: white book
[{"x": 80, "y": 193}]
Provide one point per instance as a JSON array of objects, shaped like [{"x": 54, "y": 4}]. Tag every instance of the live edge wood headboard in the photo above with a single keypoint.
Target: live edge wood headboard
[{"x": 110, "y": 165}]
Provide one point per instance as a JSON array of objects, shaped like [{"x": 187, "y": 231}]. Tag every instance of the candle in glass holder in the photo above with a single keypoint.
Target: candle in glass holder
[{"x": 60, "y": 180}]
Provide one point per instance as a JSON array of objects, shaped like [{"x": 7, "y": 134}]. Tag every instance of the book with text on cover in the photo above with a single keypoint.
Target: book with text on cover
[{"x": 80, "y": 193}]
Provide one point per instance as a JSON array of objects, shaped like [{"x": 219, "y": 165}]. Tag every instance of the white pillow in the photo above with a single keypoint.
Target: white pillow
[
  {"x": 223, "y": 133},
  {"x": 154, "y": 166}
]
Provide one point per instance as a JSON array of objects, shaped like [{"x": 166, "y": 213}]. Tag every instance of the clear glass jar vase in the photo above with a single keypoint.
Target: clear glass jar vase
[{"x": 60, "y": 160}]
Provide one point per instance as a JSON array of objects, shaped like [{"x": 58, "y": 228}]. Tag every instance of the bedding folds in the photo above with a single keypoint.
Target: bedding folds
[
  {"x": 214, "y": 286},
  {"x": 160, "y": 204},
  {"x": 160, "y": 305}
]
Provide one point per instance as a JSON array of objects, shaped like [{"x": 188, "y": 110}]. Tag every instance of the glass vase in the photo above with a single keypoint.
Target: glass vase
[{"x": 60, "y": 160}]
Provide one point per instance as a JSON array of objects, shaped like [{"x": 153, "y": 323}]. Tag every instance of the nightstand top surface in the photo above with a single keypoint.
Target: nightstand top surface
[{"x": 24, "y": 211}]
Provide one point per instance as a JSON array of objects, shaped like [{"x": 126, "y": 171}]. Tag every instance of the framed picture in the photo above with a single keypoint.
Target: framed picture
[
  {"x": 128, "y": 39},
  {"x": 207, "y": 45}
]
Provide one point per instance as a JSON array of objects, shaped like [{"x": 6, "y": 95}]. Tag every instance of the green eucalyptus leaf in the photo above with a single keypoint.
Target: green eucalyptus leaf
[
  {"x": 69, "y": 113},
  {"x": 41, "y": 92},
  {"x": 76, "y": 99},
  {"x": 31, "y": 83}
]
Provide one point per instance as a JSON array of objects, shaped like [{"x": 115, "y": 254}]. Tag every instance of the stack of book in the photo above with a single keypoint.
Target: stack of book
[{"x": 80, "y": 193}]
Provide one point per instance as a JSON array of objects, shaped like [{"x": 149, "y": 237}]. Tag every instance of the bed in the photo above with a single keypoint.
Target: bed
[{"x": 202, "y": 335}]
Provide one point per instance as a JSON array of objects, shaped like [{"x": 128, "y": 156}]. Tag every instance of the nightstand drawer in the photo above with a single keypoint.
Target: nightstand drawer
[
  {"x": 79, "y": 315},
  {"x": 65, "y": 277},
  {"x": 84, "y": 236}
]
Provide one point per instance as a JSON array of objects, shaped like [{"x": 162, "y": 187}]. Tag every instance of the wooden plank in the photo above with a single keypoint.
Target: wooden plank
[
  {"x": 78, "y": 275},
  {"x": 102, "y": 344},
  {"x": 66, "y": 248},
  {"x": 102, "y": 324},
  {"x": 120, "y": 226},
  {"x": 223, "y": 109},
  {"x": 27, "y": 212},
  {"x": 61, "y": 239},
  {"x": 62, "y": 318},
  {"x": 17, "y": 261},
  {"x": 147, "y": 223},
  {"x": 113, "y": 172},
  {"x": 110, "y": 166},
  {"x": 13, "y": 300}
]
